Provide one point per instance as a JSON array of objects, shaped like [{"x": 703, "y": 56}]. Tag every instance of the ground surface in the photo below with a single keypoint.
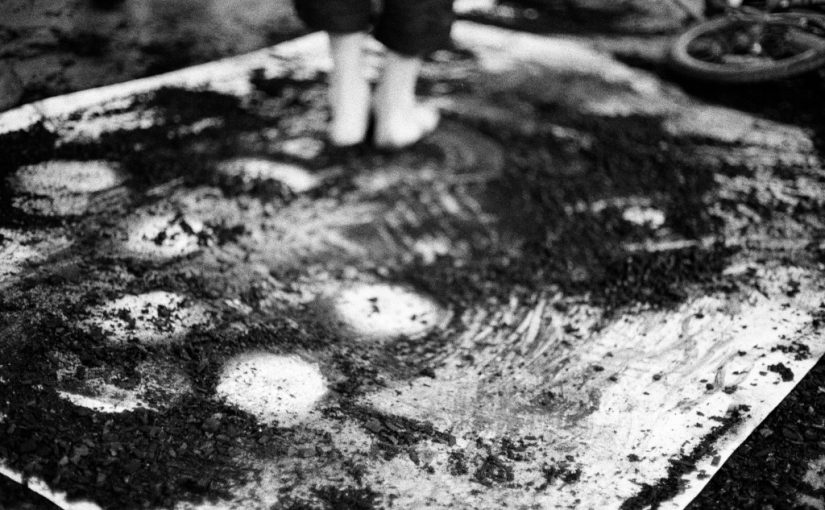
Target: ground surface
[
  {"x": 53, "y": 47},
  {"x": 771, "y": 468},
  {"x": 50, "y": 47}
]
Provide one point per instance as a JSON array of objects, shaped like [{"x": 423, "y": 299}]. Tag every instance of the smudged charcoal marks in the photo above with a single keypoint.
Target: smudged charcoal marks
[
  {"x": 783, "y": 371},
  {"x": 583, "y": 250},
  {"x": 334, "y": 498},
  {"x": 185, "y": 453},
  {"x": 562, "y": 471},
  {"x": 286, "y": 87},
  {"x": 397, "y": 434},
  {"x": 494, "y": 471},
  {"x": 457, "y": 463},
  {"x": 164, "y": 456},
  {"x": 769, "y": 467},
  {"x": 653, "y": 495}
]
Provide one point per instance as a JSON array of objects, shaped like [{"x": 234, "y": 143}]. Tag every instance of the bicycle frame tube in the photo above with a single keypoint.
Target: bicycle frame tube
[
  {"x": 771, "y": 5},
  {"x": 786, "y": 4}
]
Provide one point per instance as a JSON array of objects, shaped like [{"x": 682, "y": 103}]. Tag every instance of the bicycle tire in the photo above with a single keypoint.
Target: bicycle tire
[{"x": 811, "y": 58}]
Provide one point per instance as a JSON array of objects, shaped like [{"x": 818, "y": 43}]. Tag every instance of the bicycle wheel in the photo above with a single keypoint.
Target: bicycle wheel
[{"x": 751, "y": 49}]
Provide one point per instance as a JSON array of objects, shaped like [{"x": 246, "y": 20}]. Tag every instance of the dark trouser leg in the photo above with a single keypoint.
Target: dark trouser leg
[
  {"x": 347, "y": 23},
  {"x": 335, "y": 16},
  {"x": 415, "y": 27}
]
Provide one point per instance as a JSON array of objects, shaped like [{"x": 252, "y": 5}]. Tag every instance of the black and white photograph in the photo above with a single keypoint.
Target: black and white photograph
[{"x": 412, "y": 254}]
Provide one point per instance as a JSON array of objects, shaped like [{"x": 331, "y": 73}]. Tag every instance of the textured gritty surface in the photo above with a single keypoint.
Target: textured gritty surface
[
  {"x": 578, "y": 262},
  {"x": 50, "y": 47}
]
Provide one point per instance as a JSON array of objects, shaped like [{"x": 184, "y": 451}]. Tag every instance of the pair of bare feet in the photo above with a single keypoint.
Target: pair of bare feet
[{"x": 399, "y": 119}]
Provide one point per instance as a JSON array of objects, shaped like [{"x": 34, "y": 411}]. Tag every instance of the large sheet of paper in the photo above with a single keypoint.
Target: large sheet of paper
[{"x": 583, "y": 291}]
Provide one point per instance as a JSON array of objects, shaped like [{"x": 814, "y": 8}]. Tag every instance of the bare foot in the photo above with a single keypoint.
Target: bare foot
[
  {"x": 399, "y": 119},
  {"x": 397, "y": 129}
]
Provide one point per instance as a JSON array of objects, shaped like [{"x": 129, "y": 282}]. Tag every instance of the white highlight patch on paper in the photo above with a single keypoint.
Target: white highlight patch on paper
[
  {"x": 156, "y": 317},
  {"x": 59, "y": 176},
  {"x": 274, "y": 388},
  {"x": 298, "y": 179},
  {"x": 164, "y": 236},
  {"x": 383, "y": 312},
  {"x": 63, "y": 187},
  {"x": 644, "y": 216},
  {"x": 304, "y": 147}
]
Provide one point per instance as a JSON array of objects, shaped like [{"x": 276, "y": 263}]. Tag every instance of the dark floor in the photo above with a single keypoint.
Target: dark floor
[{"x": 50, "y": 47}]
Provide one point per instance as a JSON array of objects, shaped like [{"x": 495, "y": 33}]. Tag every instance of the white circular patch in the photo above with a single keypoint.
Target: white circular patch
[
  {"x": 153, "y": 318},
  {"x": 163, "y": 237},
  {"x": 63, "y": 187},
  {"x": 430, "y": 248},
  {"x": 297, "y": 178},
  {"x": 303, "y": 147},
  {"x": 381, "y": 311},
  {"x": 54, "y": 177},
  {"x": 274, "y": 388},
  {"x": 105, "y": 390},
  {"x": 644, "y": 216}
]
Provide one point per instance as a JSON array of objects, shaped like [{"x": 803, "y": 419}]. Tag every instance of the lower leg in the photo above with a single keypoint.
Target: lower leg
[
  {"x": 348, "y": 89},
  {"x": 399, "y": 119}
]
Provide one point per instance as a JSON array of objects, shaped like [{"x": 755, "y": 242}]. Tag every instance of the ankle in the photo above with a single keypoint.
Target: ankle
[
  {"x": 349, "y": 114},
  {"x": 348, "y": 90},
  {"x": 396, "y": 87}
]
